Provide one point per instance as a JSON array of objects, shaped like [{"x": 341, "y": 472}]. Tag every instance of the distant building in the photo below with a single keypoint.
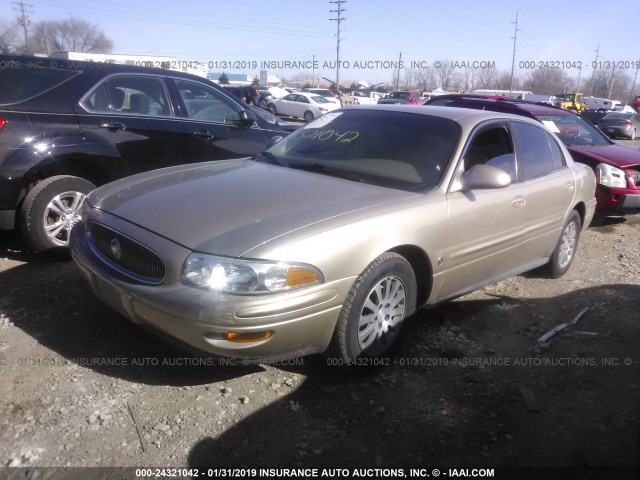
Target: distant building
[{"x": 154, "y": 61}]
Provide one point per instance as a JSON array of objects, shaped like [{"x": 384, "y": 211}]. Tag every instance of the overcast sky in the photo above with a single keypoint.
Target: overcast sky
[{"x": 374, "y": 33}]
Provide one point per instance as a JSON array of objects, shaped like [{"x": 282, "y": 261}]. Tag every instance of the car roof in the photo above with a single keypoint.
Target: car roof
[
  {"x": 458, "y": 114},
  {"x": 89, "y": 66},
  {"x": 504, "y": 104}
]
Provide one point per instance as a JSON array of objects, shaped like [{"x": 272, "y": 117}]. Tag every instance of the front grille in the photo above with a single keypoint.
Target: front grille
[
  {"x": 126, "y": 255},
  {"x": 635, "y": 176}
]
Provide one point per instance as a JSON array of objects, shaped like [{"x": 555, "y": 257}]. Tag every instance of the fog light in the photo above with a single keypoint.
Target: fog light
[{"x": 246, "y": 337}]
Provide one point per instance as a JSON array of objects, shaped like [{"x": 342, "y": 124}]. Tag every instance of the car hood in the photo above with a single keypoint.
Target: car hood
[
  {"x": 616, "y": 155},
  {"x": 230, "y": 207}
]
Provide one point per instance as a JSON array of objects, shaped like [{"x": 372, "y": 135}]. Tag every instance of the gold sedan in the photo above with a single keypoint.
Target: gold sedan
[{"x": 330, "y": 239}]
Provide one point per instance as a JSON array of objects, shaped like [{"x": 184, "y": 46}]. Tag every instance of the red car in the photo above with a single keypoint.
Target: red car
[
  {"x": 406, "y": 97},
  {"x": 617, "y": 167}
]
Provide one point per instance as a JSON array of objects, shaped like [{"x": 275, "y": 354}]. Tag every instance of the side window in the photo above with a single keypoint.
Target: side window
[
  {"x": 492, "y": 146},
  {"x": 134, "y": 94},
  {"x": 535, "y": 155},
  {"x": 556, "y": 152},
  {"x": 205, "y": 103}
]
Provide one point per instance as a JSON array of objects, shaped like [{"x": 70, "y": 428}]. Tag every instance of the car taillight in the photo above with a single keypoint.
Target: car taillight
[
  {"x": 628, "y": 122},
  {"x": 3, "y": 122}
]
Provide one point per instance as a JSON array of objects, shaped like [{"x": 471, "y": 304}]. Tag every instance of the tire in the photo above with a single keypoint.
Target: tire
[
  {"x": 372, "y": 320},
  {"x": 51, "y": 209},
  {"x": 633, "y": 134},
  {"x": 308, "y": 116},
  {"x": 565, "y": 250},
  {"x": 272, "y": 107}
]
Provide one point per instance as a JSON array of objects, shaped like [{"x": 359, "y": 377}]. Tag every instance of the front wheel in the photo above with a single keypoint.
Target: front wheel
[
  {"x": 51, "y": 209},
  {"x": 308, "y": 116},
  {"x": 272, "y": 107},
  {"x": 566, "y": 248},
  {"x": 372, "y": 318}
]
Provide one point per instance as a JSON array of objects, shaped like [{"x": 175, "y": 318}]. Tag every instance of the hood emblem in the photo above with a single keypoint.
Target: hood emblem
[{"x": 116, "y": 250}]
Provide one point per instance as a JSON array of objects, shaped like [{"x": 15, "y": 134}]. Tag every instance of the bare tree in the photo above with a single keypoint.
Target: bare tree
[
  {"x": 70, "y": 35},
  {"x": 546, "y": 81},
  {"x": 444, "y": 74},
  {"x": 10, "y": 41},
  {"x": 486, "y": 78}
]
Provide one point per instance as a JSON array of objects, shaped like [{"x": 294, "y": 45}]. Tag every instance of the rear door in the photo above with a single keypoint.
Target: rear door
[
  {"x": 129, "y": 125},
  {"x": 548, "y": 188}
]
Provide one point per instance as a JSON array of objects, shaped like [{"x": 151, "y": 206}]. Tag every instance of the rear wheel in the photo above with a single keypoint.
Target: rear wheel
[
  {"x": 371, "y": 323},
  {"x": 565, "y": 250},
  {"x": 633, "y": 134},
  {"x": 272, "y": 107},
  {"x": 50, "y": 211},
  {"x": 308, "y": 116}
]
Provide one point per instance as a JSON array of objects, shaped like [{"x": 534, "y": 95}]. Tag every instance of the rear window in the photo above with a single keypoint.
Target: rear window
[{"x": 19, "y": 83}]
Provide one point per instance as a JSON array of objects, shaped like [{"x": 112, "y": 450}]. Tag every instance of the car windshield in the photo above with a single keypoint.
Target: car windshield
[
  {"x": 319, "y": 99},
  {"x": 391, "y": 149},
  {"x": 402, "y": 95},
  {"x": 573, "y": 130}
]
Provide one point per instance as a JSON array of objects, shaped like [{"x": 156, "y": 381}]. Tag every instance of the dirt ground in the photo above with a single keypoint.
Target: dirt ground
[{"x": 472, "y": 386}]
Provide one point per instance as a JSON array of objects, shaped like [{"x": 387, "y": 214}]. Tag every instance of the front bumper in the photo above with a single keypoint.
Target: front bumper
[
  {"x": 301, "y": 321},
  {"x": 617, "y": 201}
]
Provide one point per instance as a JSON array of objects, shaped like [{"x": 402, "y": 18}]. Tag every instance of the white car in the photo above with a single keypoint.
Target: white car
[
  {"x": 325, "y": 92},
  {"x": 302, "y": 105}
]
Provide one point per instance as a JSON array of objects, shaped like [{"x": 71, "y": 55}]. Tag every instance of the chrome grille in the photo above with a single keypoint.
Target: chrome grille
[
  {"x": 635, "y": 176},
  {"x": 126, "y": 255}
]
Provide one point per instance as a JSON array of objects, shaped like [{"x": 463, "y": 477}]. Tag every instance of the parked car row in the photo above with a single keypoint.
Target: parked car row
[{"x": 284, "y": 241}]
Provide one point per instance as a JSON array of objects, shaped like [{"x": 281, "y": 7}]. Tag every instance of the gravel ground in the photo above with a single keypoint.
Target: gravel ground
[{"x": 471, "y": 387}]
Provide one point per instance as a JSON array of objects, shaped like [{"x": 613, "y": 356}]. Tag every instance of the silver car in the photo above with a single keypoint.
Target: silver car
[
  {"x": 625, "y": 125},
  {"x": 333, "y": 237}
]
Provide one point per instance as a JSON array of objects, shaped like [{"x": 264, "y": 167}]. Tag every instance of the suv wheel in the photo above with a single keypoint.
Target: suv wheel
[{"x": 51, "y": 209}]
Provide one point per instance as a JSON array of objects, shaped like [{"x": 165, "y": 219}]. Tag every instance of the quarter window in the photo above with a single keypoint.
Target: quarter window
[{"x": 536, "y": 156}]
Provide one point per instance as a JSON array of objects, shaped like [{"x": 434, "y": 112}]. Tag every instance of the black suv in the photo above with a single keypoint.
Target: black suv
[{"x": 68, "y": 126}]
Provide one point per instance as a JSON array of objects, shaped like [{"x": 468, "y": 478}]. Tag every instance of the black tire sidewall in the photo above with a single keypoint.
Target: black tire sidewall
[
  {"x": 385, "y": 265},
  {"x": 309, "y": 114},
  {"x": 35, "y": 204}
]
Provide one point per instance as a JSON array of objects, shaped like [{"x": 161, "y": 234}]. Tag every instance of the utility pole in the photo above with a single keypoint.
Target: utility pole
[
  {"x": 579, "y": 73},
  {"x": 24, "y": 19},
  {"x": 513, "y": 61},
  {"x": 635, "y": 77},
  {"x": 338, "y": 11},
  {"x": 595, "y": 64},
  {"x": 398, "y": 75}
]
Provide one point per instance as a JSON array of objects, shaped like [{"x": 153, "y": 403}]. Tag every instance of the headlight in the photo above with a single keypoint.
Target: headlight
[
  {"x": 610, "y": 176},
  {"x": 246, "y": 276}
]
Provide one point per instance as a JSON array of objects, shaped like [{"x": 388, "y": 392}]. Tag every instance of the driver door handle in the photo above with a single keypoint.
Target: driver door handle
[{"x": 117, "y": 126}]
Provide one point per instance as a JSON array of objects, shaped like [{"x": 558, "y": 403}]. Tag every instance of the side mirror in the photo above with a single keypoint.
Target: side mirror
[
  {"x": 274, "y": 140},
  {"x": 484, "y": 177},
  {"x": 248, "y": 118}
]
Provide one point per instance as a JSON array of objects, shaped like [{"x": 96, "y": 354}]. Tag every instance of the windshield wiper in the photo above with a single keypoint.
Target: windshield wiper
[
  {"x": 272, "y": 159},
  {"x": 324, "y": 169}
]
